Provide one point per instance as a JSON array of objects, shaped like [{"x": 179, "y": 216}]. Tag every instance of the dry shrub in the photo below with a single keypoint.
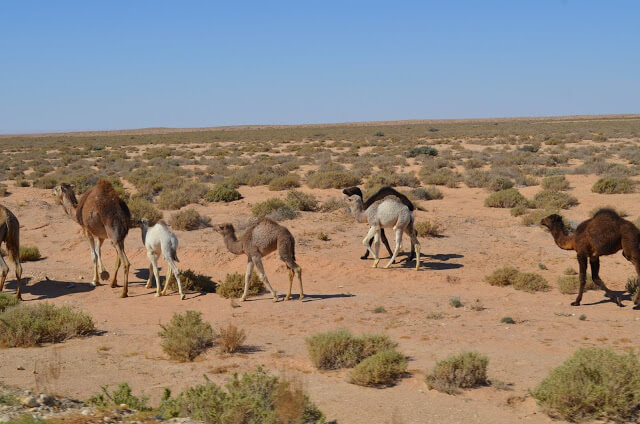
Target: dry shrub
[
  {"x": 569, "y": 284},
  {"x": 189, "y": 192},
  {"x": 426, "y": 193},
  {"x": 614, "y": 185},
  {"x": 380, "y": 369},
  {"x": 506, "y": 199},
  {"x": 233, "y": 286},
  {"x": 463, "y": 371},
  {"x": 262, "y": 209},
  {"x": 428, "y": 228},
  {"x": 340, "y": 349},
  {"x": 333, "y": 179},
  {"x": 29, "y": 253},
  {"x": 192, "y": 281},
  {"x": 30, "y": 325},
  {"x": 333, "y": 204},
  {"x": 142, "y": 208},
  {"x": 285, "y": 182},
  {"x": 526, "y": 281},
  {"x": 230, "y": 339},
  {"x": 222, "y": 192},
  {"x": 502, "y": 276},
  {"x": 188, "y": 220},
  {"x": 499, "y": 183},
  {"x": 122, "y": 395},
  {"x": 593, "y": 384},
  {"x": 552, "y": 199},
  {"x": 555, "y": 182},
  {"x": 186, "y": 336},
  {"x": 7, "y": 300},
  {"x": 297, "y": 200}
]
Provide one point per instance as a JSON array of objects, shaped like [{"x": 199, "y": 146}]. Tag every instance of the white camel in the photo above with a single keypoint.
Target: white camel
[
  {"x": 385, "y": 213},
  {"x": 160, "y": 240}
]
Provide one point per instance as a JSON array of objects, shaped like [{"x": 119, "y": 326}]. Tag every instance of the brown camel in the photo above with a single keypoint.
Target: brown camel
[
  {"x": 261, "y": 238},
  {"x": 604, "y": 234},
  {"x": 10, "y": 235},
  {"x": 101, "y": 214}
]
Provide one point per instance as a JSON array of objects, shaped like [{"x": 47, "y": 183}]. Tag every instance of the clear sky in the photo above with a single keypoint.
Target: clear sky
[{"x": 88, "y": 65}]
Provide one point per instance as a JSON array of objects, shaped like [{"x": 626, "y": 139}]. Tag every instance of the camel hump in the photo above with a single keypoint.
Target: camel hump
[
  {"x": 607, "y": 211},
  {"x": 389, "y": 191}
]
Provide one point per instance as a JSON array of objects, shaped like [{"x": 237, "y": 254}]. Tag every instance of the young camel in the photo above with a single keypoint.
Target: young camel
[
  {"x": 604, "y": 234},
  {"x": 101, "y": 214},
  {"x": 386, "y": 213},
  {"x": 379, "y": 195},
  {"x": 160, "y": 240},
  {"x": 10, "y": 235},
  {"x": 261, "y": 238}
]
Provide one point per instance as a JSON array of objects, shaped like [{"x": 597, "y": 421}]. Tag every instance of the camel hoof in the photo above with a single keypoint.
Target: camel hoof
[
  {"x": 147, "y": 286},
  {"x": 301, "y": 296},
  {"x": 243, "y": 298},
  {"x": 364, "y": 257},
  {"x": 388, "y": 265},
  {"x": 158, "y": 295},
  {"x": 104, "y": 275},
  {"x": 123, "y": 295},
  {"x": 575, "y": 303},
  {"x": 287, "y": 297},
  {"x": 618, "y": 301},
  {"x": 182, "y": 297},
  {"x": 375, "y": 263}
]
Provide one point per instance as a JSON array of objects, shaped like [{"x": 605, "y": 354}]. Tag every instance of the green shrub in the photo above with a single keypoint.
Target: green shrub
[
  {"x": 569, "y": 284},
  {"x": 551, "y": 199},
  {"x": 254, "y": 398},
  {"x": 223, "y": 192},
  {"x": 186, "y": 336},
  {"x": 333, "y": 179},
  {"x": 421, "y": 150},
  {"x": 30, "y": 325},
  {"x": 455, "y": 302},
  {"x": 593, "y": 384},
  {"x": 428, "y": 228},
  {"x": 507, "y": 320},
  {"x": 285, "y": 182},
  {"x": 192, "y": 281},
  {"x": 381, "y": 369},
  {"x": 233, "y": 286},
  {"x": 525, "y": 281},
  {"x": 188, "y": 220},
  {"x": 506, "y": 199},
  {"x": 463, "y": 371},
  {"x": 340, "y": 349},
  {"x": 7, "y": 300},
  {"x": 122, "y": 395},
  {"x": 142, "y": 208},
  {"x": 426, "y": 193},
  {"x": 29, "y": 253},
  {"x": 300, "y": 201},
  {"x": 262, "y": 209},
  {"x": 613, "y": 185},
  {"x": 555, "y": 182}
]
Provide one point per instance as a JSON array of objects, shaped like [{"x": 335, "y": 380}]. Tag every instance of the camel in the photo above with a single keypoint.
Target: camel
[
  {"x": 379, "y": 195},
  {"x": 389, "y": 212},
  {"x": 160, "y": 240},
  {"x": 261, "y": 238},
  {"x": 604, "y": 234},
  {"x": 101, "y": 214},
  {"x": 10, "y": 235}
]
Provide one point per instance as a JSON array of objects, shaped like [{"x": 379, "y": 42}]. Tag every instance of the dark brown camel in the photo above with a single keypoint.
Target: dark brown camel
[
  {"x": 379, "y": 195},
  {"x": 10, "y": 235},
  {"x": 604, "y": 234},
  {"x": 101, "y": 214}
]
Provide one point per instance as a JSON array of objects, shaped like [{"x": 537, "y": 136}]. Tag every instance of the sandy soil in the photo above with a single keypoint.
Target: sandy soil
[{"x": 342, "y": 292}]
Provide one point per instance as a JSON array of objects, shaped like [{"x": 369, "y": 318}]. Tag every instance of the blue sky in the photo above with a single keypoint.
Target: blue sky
[{"x": 90, "y": 65}]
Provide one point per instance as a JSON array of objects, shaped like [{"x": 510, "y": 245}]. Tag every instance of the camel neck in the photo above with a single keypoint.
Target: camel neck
[
  {"x": 233, "y": 244},
  {"x": 562, "y": 240},
  {"x": 143, "y": 229},
  {"x": 69, "y": 207},
  {"x": 358, "y": 212}
]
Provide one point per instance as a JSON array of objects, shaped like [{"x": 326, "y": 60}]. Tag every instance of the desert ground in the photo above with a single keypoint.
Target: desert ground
[{"x": 342, "y": 291}]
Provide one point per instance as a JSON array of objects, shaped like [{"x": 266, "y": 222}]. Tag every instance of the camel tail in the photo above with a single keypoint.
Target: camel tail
[
  {"x": 174, "y": 256},
  {"x": 420, "y": 208}
]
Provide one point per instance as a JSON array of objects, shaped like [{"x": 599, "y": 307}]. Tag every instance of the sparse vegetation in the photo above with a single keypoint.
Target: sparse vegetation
[
  {"x": 554, "y": 200},
  {"x": 142, "y": 208},
  {"x": 463, "y": 371},
  {"x": 122, "y": 395},
  {"x": 510, "y": 276},
  {"x": 614, "y": 185},
  {"x": 569, "y": 284},
  {"x": 186, "y": 336},
  {"x": 29, "y": 253},
  {"x": 507, "y": 320},
  {"x": 333, "y": 179},
  {"x": 340, "y": 349},
  {"x": 455, "y": 302},
  {"x": 262, "y": 209},
  {"x": 233, "y": 286},
  {"x": 193, "y": 281},
  {"x": 188, "y": 220},
  {"x": 380, "y": 369},
  {"x": 7, "y": 300},
  {"x": 556, "y": 182},
  {"x": 506, "y": 199},
  {"x": 426, "y": 193},
  {"x": 230, "y": 338},
  {"x": 300, "y": 201},
  {"x": 222, "y": 192},
  {"x": 428, "y": 228}
]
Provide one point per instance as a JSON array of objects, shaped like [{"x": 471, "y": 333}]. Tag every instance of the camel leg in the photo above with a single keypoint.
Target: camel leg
[
  {"x": 104, "y": 274},
  {"x": 383, "y": 237},
  {"x": 5, "y": 271},
  {"x": 153, "y": 258},
  {"x": 173, "y": 268},
  {"x": 376, "y": 245},
  {"x": 416, "y": 249},
  {"x": 125, "y": 262},
  {"x": 247, "y": 279},
  {"x": 366, "y": 252},
  {"x": 595, "y": 269},
  {"x": 257, "y": 261},
  {"x": 298, "y": 271},
  {"x": 399, "y": 232},
  {"x": 365, "y": 241},
  {"x": 150, "y": 280},
  {"x": 14, "y": 256},
  {"x": 582, "y": 262},
  {"x": 288, "y": 296},
  {"x": 114, "y": 282},
  {"x": 94, "y": 258}
]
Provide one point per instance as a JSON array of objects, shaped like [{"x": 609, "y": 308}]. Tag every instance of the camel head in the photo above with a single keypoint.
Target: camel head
[
  {"x": 224, "y": 229},
  {"x": 552, "y": 221},
  {"x": 350, "y": 191},
  {"x": 62, "y": 190}
]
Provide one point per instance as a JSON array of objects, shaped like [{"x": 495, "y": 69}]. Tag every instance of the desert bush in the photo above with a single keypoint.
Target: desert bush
[
  {"x": 300, "y": 201},
  {"x": 476, "y": 178},
  {"x": 233, "y": 286},
  {"x": 262, "y": 209},
  {"x": 592, "y": 384},
  {"x": 428, "y": 228},
  {"x": 421, "y": 150},
  {"x": 510, "y": 276},
  {"x": 631, "y": 286},
  {"x": 188, "y": 220},
  {"x": 506, "y": 199},
  {"x": 230, "y": 338},
  {"x": 499, "y": 184},
  {"x": 519, "y": 210},
  {"x": 30, "y": 325},
  {"x": 285, "y": 182},
  {"x": 381, "y": 369},
  {"x": 186, "y": 336},
  {"x": 256, "y": 397},
  {"x": 551, "y": 199},
  {"x": 463, "y": 371},
  {"x": 142, "y": 208},
  {"x": 46, "y": 182},
  {"x": 333, "y": 204},
  {"x": 333, "y": 179},
  {"x": 426, "y": 193},
  {"x": 222, "y": 192},
  {"x": 282, "y": 214},
  {"x": 614, "y": 185},
  {"x": 340, "y": 349},
  {"x": 569, "y": 284},
  {"x": 533, "y": 217},
  {"x": 391, "y": 179},
  {"x": 7, "y": 300},
  {"x": 122, "y": 395},
  {"x": 192, "y": 281},
  {"x": 188, "y": 193},
  {"x": 29, "y": 253},
  {"x": 440, "y": 176},
  {"x": 555, "y": 182}
]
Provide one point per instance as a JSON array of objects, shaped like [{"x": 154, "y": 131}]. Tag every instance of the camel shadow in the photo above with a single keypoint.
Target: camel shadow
[
  {"x": 50, "y": 289},
  {"x": 622, "y": 295},
  {"x": 444, "y": 256},
  {"x": 315, "y": 297}
]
